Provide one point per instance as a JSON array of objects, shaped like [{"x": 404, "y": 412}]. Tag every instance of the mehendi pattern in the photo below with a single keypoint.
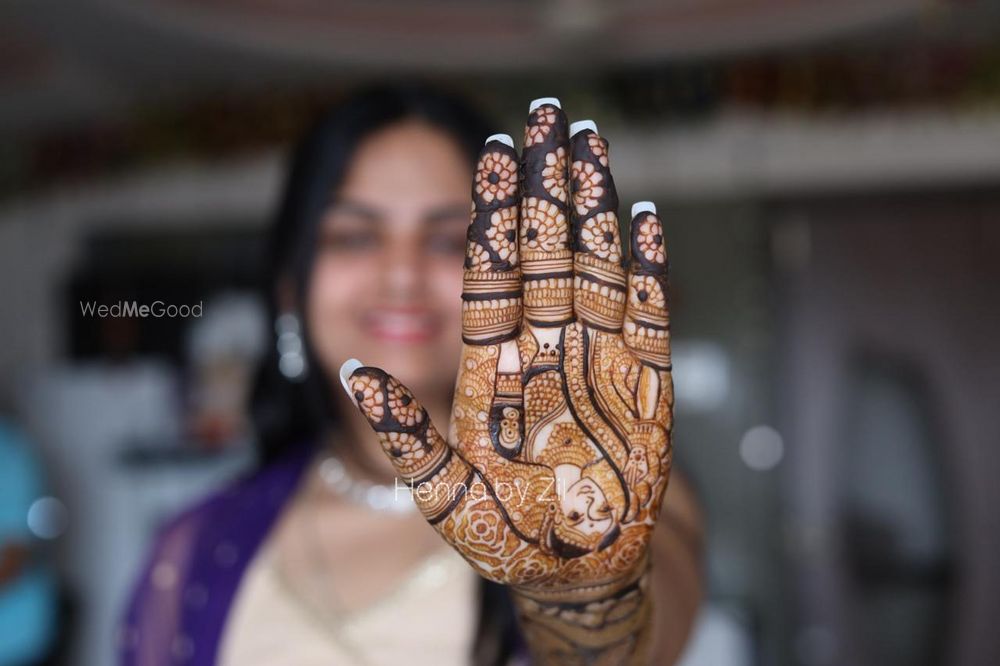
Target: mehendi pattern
[
  {"x": 547, "y": 257},
  {"x": 559, "y": 445}
]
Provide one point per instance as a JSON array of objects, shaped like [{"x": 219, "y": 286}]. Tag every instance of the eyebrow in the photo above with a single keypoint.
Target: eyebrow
[
  {"x": 355, "y": 208},
  {"x": 448, "y": 213},
  {"x": 436, "y": 216}
]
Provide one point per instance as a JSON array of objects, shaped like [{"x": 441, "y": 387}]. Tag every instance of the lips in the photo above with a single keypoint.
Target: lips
[{"x": 404, "y": 325}]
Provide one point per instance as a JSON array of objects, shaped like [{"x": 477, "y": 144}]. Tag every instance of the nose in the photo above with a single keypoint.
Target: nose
[{"x": 403, "y": 266}]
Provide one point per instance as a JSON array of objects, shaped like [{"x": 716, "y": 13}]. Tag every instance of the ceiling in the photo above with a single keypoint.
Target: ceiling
[{"x": 67, "y": 62}]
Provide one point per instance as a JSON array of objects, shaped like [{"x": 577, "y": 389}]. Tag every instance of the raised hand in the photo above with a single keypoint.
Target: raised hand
[{"x": 558, "y": 450}]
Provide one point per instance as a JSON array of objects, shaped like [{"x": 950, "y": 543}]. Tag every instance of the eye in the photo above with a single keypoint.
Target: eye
[
  {"x": 604, "y": 509},
  {"x": 575, "y": 516},
  {"x": 442, "y": 242},
  {"x": 349, "y": 240}
]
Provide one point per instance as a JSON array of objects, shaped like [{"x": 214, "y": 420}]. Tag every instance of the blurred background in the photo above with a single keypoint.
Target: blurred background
[{"x": 828, "y": 171}]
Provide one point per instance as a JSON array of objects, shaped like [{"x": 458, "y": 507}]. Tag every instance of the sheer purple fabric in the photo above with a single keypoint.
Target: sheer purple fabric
[{"x": 179, "y": 606}]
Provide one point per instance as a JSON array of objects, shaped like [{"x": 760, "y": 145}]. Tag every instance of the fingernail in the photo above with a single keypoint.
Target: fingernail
[
  {"x": 346, "y": 370},
  {"x": 643, "y": 207},
  {"x": 581, "y": 125},
  {"x": 535, "y": 103},
  {"x": 502, "y": 138}
]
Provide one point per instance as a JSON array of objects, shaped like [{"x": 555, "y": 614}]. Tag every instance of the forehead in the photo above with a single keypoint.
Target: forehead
[{"x": 406, "y": 165}]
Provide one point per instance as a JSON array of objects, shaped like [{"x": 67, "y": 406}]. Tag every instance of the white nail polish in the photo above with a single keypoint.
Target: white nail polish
[
  {"x": 643, "y": 207},
  {"x": 346, "y": 370},
  {"x": 535, "y": 103},
  {"x": 581, "y": 125},
  {"x": 502, "y": 138}
]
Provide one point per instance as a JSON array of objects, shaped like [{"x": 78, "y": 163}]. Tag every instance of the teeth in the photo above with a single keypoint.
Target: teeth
[{"x": 535, "y": 103}]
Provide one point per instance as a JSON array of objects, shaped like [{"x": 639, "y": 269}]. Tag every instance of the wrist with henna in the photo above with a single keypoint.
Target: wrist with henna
[
  {"x": 552, "y": 472},
  {"x": 595, "y": 625}
]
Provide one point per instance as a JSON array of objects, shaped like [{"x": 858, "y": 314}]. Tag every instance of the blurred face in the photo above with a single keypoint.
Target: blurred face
[{"x": 387, "y": 279}]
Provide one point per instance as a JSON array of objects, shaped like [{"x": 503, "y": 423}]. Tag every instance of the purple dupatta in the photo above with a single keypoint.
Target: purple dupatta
[
  {"x": 178, "y": 611},
  {"x": 179, "y": 607}
]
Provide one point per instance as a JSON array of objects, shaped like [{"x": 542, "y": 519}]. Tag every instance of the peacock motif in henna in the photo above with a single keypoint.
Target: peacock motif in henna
[{"x": 559, "y": 450}]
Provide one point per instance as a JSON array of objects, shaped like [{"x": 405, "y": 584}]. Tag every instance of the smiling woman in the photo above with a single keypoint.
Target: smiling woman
[
  {"x": 317, "y": 557},
  {"x": 399, "y": 218}
]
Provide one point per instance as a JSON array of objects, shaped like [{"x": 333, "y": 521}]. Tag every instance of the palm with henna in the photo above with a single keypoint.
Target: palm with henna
[{"x": 559, "y": 450}]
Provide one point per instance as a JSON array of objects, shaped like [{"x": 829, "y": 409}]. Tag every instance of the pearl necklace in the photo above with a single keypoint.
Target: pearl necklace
[{"x": 396, "y": 499}]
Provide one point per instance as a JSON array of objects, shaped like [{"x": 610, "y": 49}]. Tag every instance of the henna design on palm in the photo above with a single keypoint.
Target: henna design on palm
[{"x": 559, "y": 446}]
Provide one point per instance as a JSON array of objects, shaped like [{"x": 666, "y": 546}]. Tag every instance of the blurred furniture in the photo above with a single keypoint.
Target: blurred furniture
[
  {"x": 892, "y": 376},
  {"x": 112, "y": 434}
]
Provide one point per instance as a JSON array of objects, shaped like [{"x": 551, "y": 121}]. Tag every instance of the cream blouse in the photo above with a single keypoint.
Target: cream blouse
[{"x": 429, "y": 619}]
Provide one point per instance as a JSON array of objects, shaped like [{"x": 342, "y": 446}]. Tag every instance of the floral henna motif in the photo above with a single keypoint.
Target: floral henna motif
[
  {"x": 554, "y": 174},
  {"x": 600, "y": 285},
  {"x": 417, "y": 451},
  {"x": 588, "y": 187},
  {"x": 547, "y": 261},
  {"x": 599, "y": 147},
  {"x": 492, "y": 236},
  {"x": 540, "y": 124},
  {"x": 545, "y": 225},
  {"x": 594, "y": 190},
  {"x": 559, "y": 447},
  {"x": 402, "y": 406},
  {"x": 502, "y": 234},
  {"x": 646, "y": 291},
  {"x": 649, "y": 240},
  {"x": 496, "y": 176},
  {"x": 600, "y": 235},
  {"x": 491, "y": 297},
  {"x": 647, "y": 324}
]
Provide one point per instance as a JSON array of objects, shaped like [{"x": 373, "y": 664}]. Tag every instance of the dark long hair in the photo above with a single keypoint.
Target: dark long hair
[{"x": 288, "y": 414}]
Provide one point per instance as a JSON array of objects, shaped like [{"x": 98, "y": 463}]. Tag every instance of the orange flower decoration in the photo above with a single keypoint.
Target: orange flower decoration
[
  {"x": 539, "y": 125},
  {"x": 496, "y": 177},
  {"x": 502, "y": 233},
  {"x": 544, "y": 225},
  {"x": 589, "y": 187},
  {"x": 554, "y": 174},
  {"x": 600, "y": 235},
  {"x": 599, "y": 147},
  {"x": 650, "y": 240}
]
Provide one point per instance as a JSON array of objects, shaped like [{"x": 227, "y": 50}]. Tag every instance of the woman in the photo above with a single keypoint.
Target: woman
[{"x": 318, "y": 557}]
